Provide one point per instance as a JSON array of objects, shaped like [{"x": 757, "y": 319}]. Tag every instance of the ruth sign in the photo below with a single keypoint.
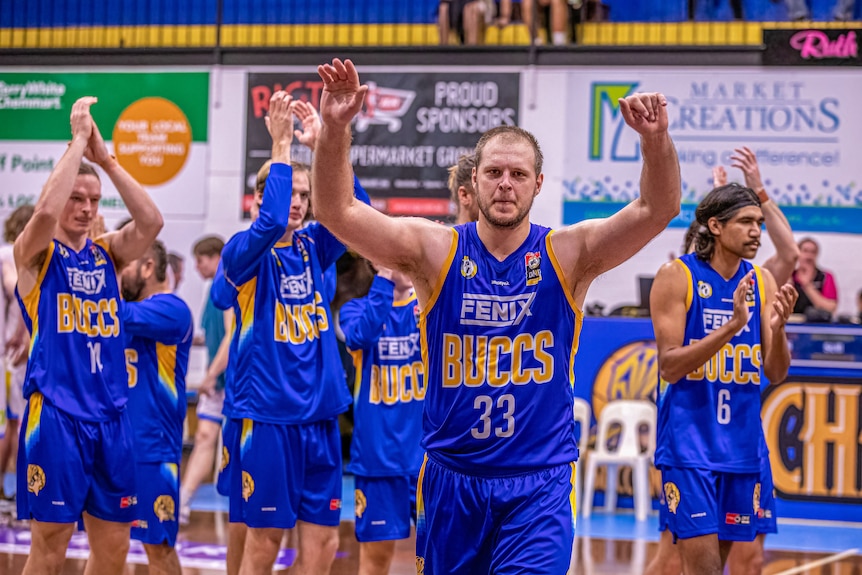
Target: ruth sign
[{"x": 812, "y": 47}]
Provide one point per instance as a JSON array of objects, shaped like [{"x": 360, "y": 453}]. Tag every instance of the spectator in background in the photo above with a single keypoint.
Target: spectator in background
[
  {"x": 466, "y": 18},
  {"x": 559, "y": 11},
  {"x": 859, "y": 305},
  {"x": 816, "y": 287},
  {"x": 798, "y": 10},
  {"x": 176, "y": 268}
]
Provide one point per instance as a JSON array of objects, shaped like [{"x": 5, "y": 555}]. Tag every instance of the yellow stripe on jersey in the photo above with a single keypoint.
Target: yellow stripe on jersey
[
  {"x": 689, "y": 288},
  {"x": 570, "y": 297},
  {"x": 405, "y": 301},
  {"x": 245, "y": 435},
  {"x": 761, "y": 287},
  {"x": 245, "y": 300},
  {"x": 31, "y": 300},
  {"x": 166, "y": 357},
  {"x": 435, "y": 293},
  {"x": 420, "y": 501},
  {"x": 34, "y": 418},
  {"x": 444, "y": 271},
  {"x": 357, "y": 367},
  {"x": 573, "y": 496}
]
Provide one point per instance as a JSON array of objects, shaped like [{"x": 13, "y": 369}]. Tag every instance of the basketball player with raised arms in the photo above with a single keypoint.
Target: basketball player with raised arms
[
  {"x": 501, "y": 313},
  {"x": 76, "y": 452},
  {"x": 719, "y": 324},
  {"x": 159, "y": 330},
  {"x": 284, "y": 394}
]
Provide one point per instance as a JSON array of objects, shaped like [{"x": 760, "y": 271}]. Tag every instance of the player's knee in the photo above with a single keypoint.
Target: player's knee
[{"x": 158, "y": 553}]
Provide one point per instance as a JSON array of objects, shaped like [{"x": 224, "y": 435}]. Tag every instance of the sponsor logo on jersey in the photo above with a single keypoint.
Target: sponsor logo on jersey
[
  {"x": 533, "y": 264},
  {"x": 737, "y": 519},
  {"x": 297, "y": 286},
  {"x": 89, "y": 282},
  {"x": 128, "y": 501},
  {"x": 334, "y": 504},
  {"x": 398, "y": 347},
  {"x": 495, "y": 310},
  {"x": 468, "y": 268}
]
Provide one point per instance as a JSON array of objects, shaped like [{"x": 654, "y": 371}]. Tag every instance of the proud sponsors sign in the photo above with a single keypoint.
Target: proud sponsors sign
[
  {"x": 155, "y": 124},
  {"x": 804, "y": 127},
  {"x": 412, "y": 127}
]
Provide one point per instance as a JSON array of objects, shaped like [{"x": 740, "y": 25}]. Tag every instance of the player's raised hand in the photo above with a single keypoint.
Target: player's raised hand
[
  {"x": 279, "y": 120},
  {"x": 310, "y": 120},
  {"x": 342, "y": 95},
  {"x": 782, "y": 307},
  {"x": 645, "y": 112},
  {"x": 719, "y": 177},
  {"x": 740, "y": 303},
  {"x": 80, "y": 119},
  {"x": 97, "y": 150},
  {"x": 744, "y": 159}
]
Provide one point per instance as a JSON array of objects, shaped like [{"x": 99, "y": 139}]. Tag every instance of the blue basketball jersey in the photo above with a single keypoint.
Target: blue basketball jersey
[
  {"x": 710, "y": 419},
  {"x": 159, "y": 333},
  {"x": 287, "y": 369},
  {"x": 76, "y": 357},
  {"x": 383, "y": 338},
  {"x": 499, "y": 343}
]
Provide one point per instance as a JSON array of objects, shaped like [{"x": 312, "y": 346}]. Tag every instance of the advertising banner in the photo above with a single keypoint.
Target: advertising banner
[
  {"x": 804, "y": 127},
  {"x": 812, "y": 47},
  {"x": 412, "y": 127},
  {"x": 154, "y": 123}
]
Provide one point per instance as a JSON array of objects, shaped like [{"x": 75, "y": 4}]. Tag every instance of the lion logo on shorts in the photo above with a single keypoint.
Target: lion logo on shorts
[
  {"x": 756, "y": 498},
  {"x": 225, "y": 458},
  {"x": 671, "y": 495},
  {"x": 247, "y": 485},
  {"x": 35, "y": 479},
  {"x": 361, "y": 503},
  {"x": 164, "y": 508},
  {"x": 420, "y": 565}
]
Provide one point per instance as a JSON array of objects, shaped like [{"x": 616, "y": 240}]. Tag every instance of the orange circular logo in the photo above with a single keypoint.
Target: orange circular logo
[
  {"x": 152, "y": 138},
  {"x": 631, "y": 372}
]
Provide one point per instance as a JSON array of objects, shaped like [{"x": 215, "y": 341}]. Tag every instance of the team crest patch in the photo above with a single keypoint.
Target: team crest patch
[
  {"x": 247, "y": 485},
  {"x": 98, "y": 257},
  {"x": 756, "y": 498},
  {"x": 35, "y": 479},
  {"x": 671, "y": 495},
  {"x": 417, "y": 314},
  {"x": 164, "y": 508},
  {"x": 468, "y": 267},
  {"x": 533, "y": 263},
  {"x": 420, "y": 565},
  {"x": 225, "y": 458},
  {"x": 63, "y": 251},
  {"x": 361, "y": 503},
  {"x": 704, "y": 290}
]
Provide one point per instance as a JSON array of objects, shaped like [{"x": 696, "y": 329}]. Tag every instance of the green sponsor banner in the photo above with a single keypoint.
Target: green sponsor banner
[{"x": 36, "y": 106}]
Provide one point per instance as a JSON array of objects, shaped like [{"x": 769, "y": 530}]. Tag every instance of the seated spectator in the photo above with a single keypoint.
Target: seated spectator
[
  {"x": 843, "y": 11},
  {"x": 466, "y": 18},
  {"x": 559, "y": 14},
  {"x": 817, "y": 290}
]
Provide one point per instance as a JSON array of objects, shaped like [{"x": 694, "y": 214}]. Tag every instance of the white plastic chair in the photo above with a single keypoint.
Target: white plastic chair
[
  {"x": 583, "y": 415},
  {"x": 630, "y": 416}
]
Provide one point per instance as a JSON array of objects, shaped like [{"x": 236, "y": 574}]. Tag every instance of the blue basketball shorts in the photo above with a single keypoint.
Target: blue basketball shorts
[
  {"x": 66, "y": 467},
  {"x": 158, "y": 502},
  {"x": 765, "y": 511},
  {"x": 384, "y": 507},
  {"x": 702, "y": 502},
  {"x": 502, "y": 525},
  {"x": 286, "y": 473},
  {"x": 230, "y": 447}
]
